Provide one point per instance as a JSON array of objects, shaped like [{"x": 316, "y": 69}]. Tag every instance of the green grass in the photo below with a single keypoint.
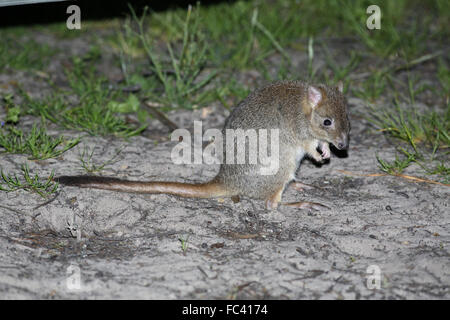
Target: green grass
[
  {"x": 340, "y": 72},
  {"x": 37, "y": 144},
  {"x": 230, "y": 92},
  {"x": 392, "y": 38},
  {"x": 43, "y": 187},
  {"x": 372, "y": 88},
  {"x": 12, "y": 110},
  {"x": 191, "y": 51},
  {"x": 397, "y": 166},
  {"x": 232, "y": 29},
  {"x": 423, "y": 138},
  {"x": 94, "y": 112},
  {"x": 441, "y": 170},
  {"x": 443, "y": 75},
  {"x": 90, "y": 166},
  {"x": 20, "y": 52},
  {"x": 179, "y": 75},
  {"x": 428, "y": 130},
  {"x": 184, "y": 243}
]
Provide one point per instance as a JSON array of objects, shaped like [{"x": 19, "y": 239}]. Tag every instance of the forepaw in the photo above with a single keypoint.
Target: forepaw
[
  {"x": 326, "y": 154},
  {"x": 317, "y": 157},
  {"x": 325, "y": 148}
]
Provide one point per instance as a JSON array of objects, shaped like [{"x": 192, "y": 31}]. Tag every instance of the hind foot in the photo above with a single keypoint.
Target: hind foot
[
  {"x": 301, "y": 186},
  {"x": 273, "y": 201}
]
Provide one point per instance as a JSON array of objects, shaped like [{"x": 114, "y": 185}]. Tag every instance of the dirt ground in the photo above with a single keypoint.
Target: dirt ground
[{"x": 95, "y": 244}]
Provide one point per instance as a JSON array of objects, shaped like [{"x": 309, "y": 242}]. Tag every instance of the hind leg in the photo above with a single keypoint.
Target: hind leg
[{"x": 274, "y": 199}]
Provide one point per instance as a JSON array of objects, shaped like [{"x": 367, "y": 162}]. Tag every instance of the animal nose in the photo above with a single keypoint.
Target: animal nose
[{"x": 343, "y": 144}]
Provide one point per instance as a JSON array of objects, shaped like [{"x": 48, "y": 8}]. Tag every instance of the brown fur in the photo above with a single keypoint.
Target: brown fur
[{"x": 281, "y": 105}]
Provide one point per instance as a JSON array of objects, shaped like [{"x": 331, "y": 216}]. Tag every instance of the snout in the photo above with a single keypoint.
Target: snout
[{"x": 342, "y": 143}]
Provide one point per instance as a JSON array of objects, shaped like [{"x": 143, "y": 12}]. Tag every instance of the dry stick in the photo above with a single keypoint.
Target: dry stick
[
  {"x": 419, "y": 60},
  {"x": 408, "y": 65},
  {"x": 152, "y": 106},
  {"x": 46, "y": 202},
  {"x": 395, "y": 174}
]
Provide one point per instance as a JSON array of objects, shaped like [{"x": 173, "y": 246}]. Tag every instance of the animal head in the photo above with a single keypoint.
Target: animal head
[{"x": 326, "y": 109}]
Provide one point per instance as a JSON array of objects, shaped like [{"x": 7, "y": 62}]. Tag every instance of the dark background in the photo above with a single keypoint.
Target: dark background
[{"x": 90, "y": 10}]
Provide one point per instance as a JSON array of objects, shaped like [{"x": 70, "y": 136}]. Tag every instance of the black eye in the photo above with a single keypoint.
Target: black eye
[{"x": 327, "y": 122}]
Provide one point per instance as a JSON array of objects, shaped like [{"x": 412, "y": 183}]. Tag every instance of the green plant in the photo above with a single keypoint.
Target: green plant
[
  {"x": 12, "y": 110},
  {"x": 443, "y": 74},
  {"x": 96, "y": 110},
  {"x": 184, "y": 243},
  {"x": 243, "y": 33},
  {"x": 415, "y": 88},
  {"x": 36, "y": 143},
  {"x": 426, "y": 135},
  {"x": 17, "y": 53},
  {"x": 10, "y": 182},
  {"x": 397, "y": 166},
  {"x": 86, "y": 160},
  {"x": 268, "y": 35},
  {"x": 230, "y": 92},
  {"x": 340, "y": 72},
  {"x": 440, "y": 169},
  {"x": 395, "y": 36},
  {"x": 373, "y": 87},
  {"x": 183, "y": 83}
]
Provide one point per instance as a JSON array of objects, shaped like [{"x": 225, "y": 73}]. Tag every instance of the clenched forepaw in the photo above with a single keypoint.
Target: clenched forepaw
[
  {"x": 306, "y": 205},
  {"x": 317, "y": 157},
  {"x": 326, "y": 154},
  {"x": 325, "y": 148}
]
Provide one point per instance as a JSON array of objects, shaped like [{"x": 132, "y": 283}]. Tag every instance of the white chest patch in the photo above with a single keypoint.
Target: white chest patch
[{"x": 299, "y": 156}]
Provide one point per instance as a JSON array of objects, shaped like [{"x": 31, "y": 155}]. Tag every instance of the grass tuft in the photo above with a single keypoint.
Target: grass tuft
[
  {"x": 427, "y": 129},
  {"x": 426, "y": 136},
  {"x": 180, "y": 74},
  {"x": 96, "y": 110},
  {"x": 87, "y": 164},
  {"x": 10, "y": 182},
  {"x": 37, "y": 143}
]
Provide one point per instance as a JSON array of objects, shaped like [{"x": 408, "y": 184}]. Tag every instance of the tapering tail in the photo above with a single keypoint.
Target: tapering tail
[{"x": 210, "y": 189}]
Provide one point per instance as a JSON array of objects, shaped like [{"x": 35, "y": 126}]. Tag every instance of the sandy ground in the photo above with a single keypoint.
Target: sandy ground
[
  {"x": 95, "y": 244},
  {"x": 101, "y": 244}
]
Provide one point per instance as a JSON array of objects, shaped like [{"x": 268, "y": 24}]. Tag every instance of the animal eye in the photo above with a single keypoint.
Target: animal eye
[{"x": 327, "y": 122}]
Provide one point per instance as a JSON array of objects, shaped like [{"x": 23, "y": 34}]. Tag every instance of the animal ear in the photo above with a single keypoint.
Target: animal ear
[
  {"x": 314, "y": 96},
  {"x": 340, "y": 86}
]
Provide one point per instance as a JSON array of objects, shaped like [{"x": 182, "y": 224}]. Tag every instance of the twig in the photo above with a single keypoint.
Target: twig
[
  {"x": 46, "y": 202},
  {"x": 417, "y": 61},
  {"x": 408, "y": 65},
  {"x": 152, "y": 106},
  {"x": 404, "y": 176}
]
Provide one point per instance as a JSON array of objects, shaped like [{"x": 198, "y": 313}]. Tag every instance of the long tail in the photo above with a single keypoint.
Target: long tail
[{"x": 210, "y": 189}]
